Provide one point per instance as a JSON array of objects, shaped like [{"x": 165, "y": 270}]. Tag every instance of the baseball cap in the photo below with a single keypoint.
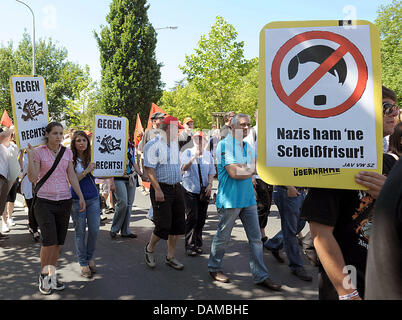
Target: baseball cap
[
  {"x": 199, "y": 134},
  {"x": 170, "y": 119},
  {"x": 188, "y": 119},
  {"x": 157, "y": 115}
]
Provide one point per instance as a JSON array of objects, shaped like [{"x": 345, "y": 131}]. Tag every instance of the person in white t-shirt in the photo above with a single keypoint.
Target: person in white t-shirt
[{"x": 4, "y": 135}]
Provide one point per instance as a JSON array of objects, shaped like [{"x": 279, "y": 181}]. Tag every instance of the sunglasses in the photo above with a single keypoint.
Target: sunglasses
[{"x": 389, "y": 109}]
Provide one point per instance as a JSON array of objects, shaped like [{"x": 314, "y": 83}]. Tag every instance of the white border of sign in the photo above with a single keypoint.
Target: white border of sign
[{"x": 32, "y": 129}]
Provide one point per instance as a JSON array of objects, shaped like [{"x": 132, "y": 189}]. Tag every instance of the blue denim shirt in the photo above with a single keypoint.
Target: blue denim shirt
[
  {"x": 234, "y": 193},
  {"x": 191, "y": 177},
  {"x": 164, "y": 159}
]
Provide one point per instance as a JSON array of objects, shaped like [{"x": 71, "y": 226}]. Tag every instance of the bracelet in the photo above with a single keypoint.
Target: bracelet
[{"x": 349, "y": 296}]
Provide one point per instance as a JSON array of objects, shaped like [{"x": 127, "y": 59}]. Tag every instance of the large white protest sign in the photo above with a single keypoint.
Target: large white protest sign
[
  {"x": 320, "y": 102},
  {"x": 109, "y": 145},
  {"x": 30, "y": 110}
]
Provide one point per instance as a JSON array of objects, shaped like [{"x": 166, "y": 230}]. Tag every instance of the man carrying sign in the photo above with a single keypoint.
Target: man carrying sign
[{"x": 340, "y": 223}]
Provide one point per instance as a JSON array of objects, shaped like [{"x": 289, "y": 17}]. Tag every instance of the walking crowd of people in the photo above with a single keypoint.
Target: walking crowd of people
[{"x": 180, "y": 163}]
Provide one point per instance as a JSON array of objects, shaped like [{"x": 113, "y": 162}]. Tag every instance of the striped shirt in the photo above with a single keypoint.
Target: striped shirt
[{"x": 164, "y": 159}]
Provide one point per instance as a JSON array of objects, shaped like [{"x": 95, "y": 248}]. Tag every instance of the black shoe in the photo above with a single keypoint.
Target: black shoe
[
  {"x": 302, "y": 274},
  {"x": 3, "y": 236},
  {"x": 269, "y": 284},
  {"x": 190, "y": 252},
  {"x": 199, "y": 250},
  {"x": 113, "y": 234},
  {"x": 130, "y": 235},
  {"x": 277, "y": 256}
]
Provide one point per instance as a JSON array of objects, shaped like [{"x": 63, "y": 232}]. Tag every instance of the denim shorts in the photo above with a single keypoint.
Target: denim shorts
[{"x": 53, "y": 218}]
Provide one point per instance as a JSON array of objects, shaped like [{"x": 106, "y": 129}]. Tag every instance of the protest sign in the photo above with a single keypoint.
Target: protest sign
[
  {"x": 109, "y": 145},
  {"x": 30, "y": 109},
  {"x": 320, "y": 110}
]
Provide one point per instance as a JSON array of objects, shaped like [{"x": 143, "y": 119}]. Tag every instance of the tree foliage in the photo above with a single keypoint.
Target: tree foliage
[
  {"x": 389, "y": 22},
  {"x": 130, "y": 73},
  {"x": 64, "y": 79},
  {"x": 219, "y": 78}
]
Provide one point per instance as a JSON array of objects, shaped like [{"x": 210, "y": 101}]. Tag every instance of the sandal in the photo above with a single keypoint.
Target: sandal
[{"x": 86, "y": 272}]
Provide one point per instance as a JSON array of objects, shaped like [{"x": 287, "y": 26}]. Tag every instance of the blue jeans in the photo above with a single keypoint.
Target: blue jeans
[
  {"x": 249, "y": 218},
  {"x": 125, "y": 198},
  {"x": 291, "y": 224},
  {"x": 91, "y": 218}
]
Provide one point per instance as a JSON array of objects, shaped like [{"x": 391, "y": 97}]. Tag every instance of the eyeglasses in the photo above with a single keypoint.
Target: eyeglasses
[{"x": 389, "y": 109}]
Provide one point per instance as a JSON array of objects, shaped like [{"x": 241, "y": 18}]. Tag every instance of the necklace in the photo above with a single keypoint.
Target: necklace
[{"x": 54, "y": 151}]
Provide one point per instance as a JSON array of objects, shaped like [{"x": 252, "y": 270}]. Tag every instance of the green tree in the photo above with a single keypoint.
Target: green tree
[
  {"x": 130, "y": 73},
  {"x": 217, "y": 67},
  {"x": 185, "y": 100},
  {"x": 63, "y": 78},
  {"x": 389, "y": 22},
  {"x": 81, "y": 111}
]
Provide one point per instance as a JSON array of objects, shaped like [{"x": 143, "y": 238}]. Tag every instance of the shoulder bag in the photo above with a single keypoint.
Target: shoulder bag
[{"x": 203, "y": 192}]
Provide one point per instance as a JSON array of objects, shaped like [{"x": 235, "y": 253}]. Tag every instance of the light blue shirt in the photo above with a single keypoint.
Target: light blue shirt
[
  {"x": 234, "y": 193},
  {"x": 164, "y": 159},
  {"x": 191, "y": 177}
]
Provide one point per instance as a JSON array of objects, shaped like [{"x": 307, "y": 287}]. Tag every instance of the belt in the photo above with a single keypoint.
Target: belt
[
  {"x": 167, "y": 186},
  {"x": 3, "y": 177},
  {"x": 54, "y": 202}
]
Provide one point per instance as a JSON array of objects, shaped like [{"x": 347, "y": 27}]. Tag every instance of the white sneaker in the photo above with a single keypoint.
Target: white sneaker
[
  {"x": 10, "y": 222},
  {"x": 55, "y": 283},
  {"x": 5, "y": 228},
  {"x": 44, "y": 284}
]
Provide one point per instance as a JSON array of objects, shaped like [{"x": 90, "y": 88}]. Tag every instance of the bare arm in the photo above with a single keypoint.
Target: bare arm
[
  {"x": 239, "y": 171},
  {"x": 33, "y": 167},
  {"x": 72, "y": 178},
  {"x": 187, "y": 166},
  {"x": 87, "y": 170},
  {"x": 330, "y": 256},
  {"x": 159, "y": 196}
]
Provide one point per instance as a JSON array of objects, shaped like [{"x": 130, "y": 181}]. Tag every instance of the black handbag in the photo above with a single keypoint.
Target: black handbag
[
  {"x": 203, "y": 192},
  {"x": 46, "y": 176}
]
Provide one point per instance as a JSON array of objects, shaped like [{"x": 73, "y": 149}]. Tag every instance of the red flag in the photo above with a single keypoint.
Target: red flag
[
  {"x": 139, "y": 131},
  {"x": 6, "y": 120},
  {"x": 154, "y": 108}
]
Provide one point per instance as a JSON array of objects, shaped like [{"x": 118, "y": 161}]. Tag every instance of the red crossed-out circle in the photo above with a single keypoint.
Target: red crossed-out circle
[{"x": 345, "y": 47}]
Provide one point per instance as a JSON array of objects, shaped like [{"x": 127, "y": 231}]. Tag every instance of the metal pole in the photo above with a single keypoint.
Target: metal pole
[
  {"x": 173, "y": 28},
  {"x": 33, "y": 38}
]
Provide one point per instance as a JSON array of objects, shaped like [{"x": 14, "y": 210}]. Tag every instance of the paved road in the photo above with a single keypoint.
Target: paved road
[{"x": 123, "y": 274}]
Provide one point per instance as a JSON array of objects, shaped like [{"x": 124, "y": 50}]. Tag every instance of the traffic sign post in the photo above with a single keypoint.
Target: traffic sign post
[{"x": 319, "y": 103}]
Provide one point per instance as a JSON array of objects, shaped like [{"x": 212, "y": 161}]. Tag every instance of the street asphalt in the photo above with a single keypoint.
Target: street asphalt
[{"x": 122, "y": 272}]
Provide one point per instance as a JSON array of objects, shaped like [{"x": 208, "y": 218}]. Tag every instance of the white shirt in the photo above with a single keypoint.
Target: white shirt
[
  {"x": 26, "y": 185},
  {"x": 3, "y": 161},
  {"x": 385, "y": 144}
]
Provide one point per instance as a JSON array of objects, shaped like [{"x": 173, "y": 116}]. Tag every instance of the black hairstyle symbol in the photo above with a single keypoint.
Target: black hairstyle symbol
[{"x": 318, "y": 54}]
